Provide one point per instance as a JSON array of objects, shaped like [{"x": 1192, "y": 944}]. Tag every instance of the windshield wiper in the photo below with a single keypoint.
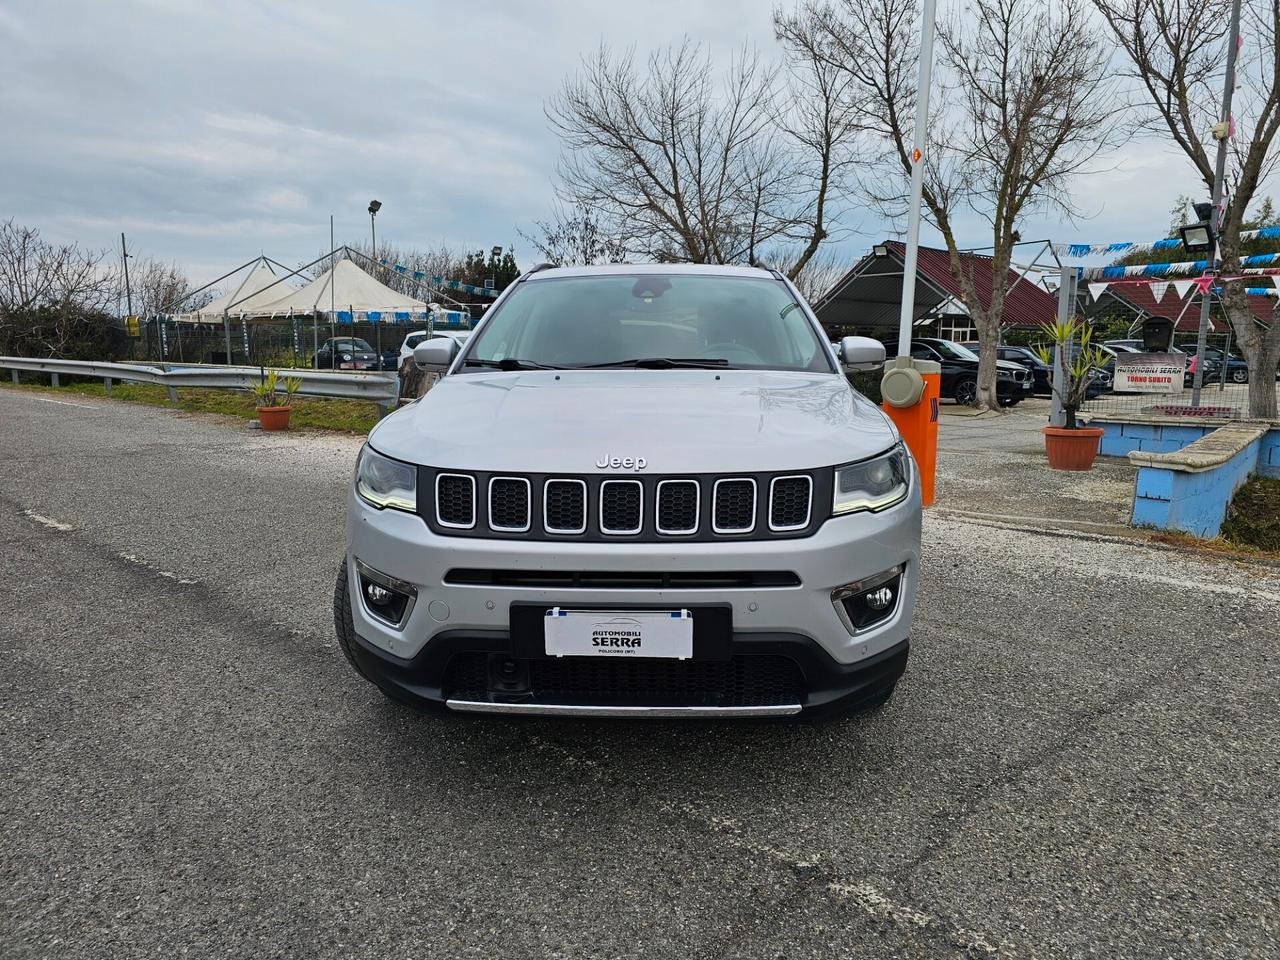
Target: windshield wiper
[
  {"x": 508, "y": 363},
  {"x": 663, "y": 363}
]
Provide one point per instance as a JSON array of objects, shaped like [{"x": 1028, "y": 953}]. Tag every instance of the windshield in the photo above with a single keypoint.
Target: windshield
[
  {"x": 953, "y": 351},
  {"x": 659, "y": 320},
  {"x": 357, "y": 345}
]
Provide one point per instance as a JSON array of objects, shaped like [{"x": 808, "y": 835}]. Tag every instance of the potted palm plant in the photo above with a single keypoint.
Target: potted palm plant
[
  {"x": 1071, "y": 446},
  {"x": 273, "y": 401}
]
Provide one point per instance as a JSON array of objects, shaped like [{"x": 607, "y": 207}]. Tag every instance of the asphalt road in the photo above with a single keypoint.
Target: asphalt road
[{"x": 1083, "y": 759}]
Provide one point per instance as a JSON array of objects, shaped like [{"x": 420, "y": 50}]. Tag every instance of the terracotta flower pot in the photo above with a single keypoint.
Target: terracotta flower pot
[
  {"x": 1071, "y": 449},
  {"x": 274, "y": 418}
]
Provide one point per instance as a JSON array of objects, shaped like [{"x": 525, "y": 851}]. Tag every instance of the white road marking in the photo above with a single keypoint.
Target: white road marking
[
  {"x": 48, "y": 521},
  {"x": 65, "y": 403},
  {"x": 148, "y": 565}
]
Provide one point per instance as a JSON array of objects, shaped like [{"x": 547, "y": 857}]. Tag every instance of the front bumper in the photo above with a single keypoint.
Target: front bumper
[{"x": 780, "y": 625}]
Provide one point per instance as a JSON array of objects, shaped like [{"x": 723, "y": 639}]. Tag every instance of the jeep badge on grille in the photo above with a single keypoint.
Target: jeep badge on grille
[{"x": 623, "y": 463}]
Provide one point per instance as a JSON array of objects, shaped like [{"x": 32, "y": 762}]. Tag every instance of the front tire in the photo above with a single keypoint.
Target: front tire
[
  {"x": 343, "y": 623},
  {"x": 966, "y": 392},
  {"x": 1239, "y": 376}
]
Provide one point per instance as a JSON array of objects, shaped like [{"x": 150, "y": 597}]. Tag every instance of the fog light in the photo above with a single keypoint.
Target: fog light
[
  {"x": 879, "y": 599},
  {"x": 386, "y": 598},
  {"x": 866, "y": 602}
]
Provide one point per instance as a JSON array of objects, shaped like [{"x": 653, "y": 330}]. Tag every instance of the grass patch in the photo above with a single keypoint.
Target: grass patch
[
  {"x": 1253, "y": 518},
  {"x": 315, "y": 413}
]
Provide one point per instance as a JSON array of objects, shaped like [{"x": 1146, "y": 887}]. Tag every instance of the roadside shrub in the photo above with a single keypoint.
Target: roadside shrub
[
  {"x": 67, "y": 333},
  {"x": 1253, "y": 518}
]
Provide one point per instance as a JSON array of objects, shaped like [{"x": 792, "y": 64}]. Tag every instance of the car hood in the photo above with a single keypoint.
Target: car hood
[{"x": 678, "y": 421}]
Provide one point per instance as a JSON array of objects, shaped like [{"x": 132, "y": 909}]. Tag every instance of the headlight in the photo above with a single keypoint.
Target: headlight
[
  {"x": 1004, "y": 374},
  {"x": 872, "y": 484},
  {"x": 346, "y": 356},
  {"x": 384, "y": 482}
]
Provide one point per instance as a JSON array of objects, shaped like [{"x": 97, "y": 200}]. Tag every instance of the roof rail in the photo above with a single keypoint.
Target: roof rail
[{"x": 537, "y": 269}]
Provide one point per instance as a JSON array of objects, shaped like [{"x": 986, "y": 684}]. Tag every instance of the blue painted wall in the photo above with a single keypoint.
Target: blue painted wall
[
  {"x": 1119, "y": 439},
  {"x": 1196, "y": 503}
]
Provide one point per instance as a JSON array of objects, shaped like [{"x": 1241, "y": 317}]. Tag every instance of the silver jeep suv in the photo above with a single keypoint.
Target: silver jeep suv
[{"x": 638, "y": 491}]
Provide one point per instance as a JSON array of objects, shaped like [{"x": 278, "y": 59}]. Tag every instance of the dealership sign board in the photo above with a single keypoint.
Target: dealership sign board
[{"x": 1150, "y": 372}]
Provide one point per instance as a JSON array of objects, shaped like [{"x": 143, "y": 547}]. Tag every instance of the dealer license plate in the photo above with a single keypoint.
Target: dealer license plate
[{"x": 619, "y": 633}]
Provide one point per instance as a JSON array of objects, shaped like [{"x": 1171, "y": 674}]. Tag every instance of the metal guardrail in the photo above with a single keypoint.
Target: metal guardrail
[{"x": 375, "y": 387}]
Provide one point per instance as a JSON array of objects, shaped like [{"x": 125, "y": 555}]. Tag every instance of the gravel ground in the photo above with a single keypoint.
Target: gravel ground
[
  {"x": 993, "y": 465},
  {"x": 1082, "y": 759}
]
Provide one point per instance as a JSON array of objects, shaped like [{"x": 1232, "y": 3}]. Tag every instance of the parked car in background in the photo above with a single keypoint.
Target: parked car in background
[
  {"x": 1041, "y": 375},
  {"x": 1215, "y": 358},
  {"x": 346, "y": 353},
  {"x": 960, "y": 372},
  {"x": 419, "y": 336}
]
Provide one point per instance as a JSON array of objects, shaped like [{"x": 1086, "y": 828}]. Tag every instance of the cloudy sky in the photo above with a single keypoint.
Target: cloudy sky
[{"x": 210, "y": 132}]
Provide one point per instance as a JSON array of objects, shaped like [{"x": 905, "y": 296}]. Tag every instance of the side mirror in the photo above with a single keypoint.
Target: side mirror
[
  {"x": 435, "y": 354},
  {"x": 861, "y": 353}
]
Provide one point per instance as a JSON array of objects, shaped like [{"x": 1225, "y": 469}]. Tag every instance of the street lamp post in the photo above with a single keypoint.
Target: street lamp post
[
  {"x": 1221, "y": 134},
  {"x": 374, "y": 207}
]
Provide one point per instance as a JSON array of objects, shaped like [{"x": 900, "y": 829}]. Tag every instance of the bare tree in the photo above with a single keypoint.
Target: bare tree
[
  {"x": 1021, "y": 109},
  {"x": 685, "y": 169},
  {"x": 160, "y": 289},
  {"x": 816, "y": 275},
  {"x": 576, "y": 236},
  {"x": 49, "y": 292},
  {"x": 1177, "y": 56}
]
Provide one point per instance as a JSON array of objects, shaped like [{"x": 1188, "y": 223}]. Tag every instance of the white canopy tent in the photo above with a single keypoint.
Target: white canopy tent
[
  {"x": 344, "y": 288},
  {"x": 259, "y": 288}
]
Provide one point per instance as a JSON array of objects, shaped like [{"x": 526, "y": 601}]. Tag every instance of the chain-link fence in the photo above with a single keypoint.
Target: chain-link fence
[{"x": 1224, "y": 391}]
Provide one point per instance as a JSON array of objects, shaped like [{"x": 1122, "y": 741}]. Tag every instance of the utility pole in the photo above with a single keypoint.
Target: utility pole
[
  {"x": 124, "y": 257},
  {"x": 1215, "y": 218}
]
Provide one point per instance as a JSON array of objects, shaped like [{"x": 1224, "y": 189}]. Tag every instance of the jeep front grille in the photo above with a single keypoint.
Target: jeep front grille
[{"x": 648, "y": 508}]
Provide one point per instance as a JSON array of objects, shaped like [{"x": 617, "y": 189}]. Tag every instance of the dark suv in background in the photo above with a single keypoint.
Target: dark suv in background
[
  {"x": 960, "y": 372},
  {"x": 1041, "y": 375}
]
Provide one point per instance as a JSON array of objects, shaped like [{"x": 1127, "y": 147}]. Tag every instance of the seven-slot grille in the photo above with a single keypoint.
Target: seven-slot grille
[{"x": 602, "y": 508}]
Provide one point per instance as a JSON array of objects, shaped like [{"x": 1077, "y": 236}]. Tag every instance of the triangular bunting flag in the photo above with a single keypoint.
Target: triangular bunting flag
[
  {"x": 1183, "y": 287},
  {"x": 1096, "y": 290},
  {"x": 1158, "y": 289}
]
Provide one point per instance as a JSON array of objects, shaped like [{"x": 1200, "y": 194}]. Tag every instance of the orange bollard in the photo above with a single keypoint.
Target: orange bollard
[{"x": 918, "y": 424}]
